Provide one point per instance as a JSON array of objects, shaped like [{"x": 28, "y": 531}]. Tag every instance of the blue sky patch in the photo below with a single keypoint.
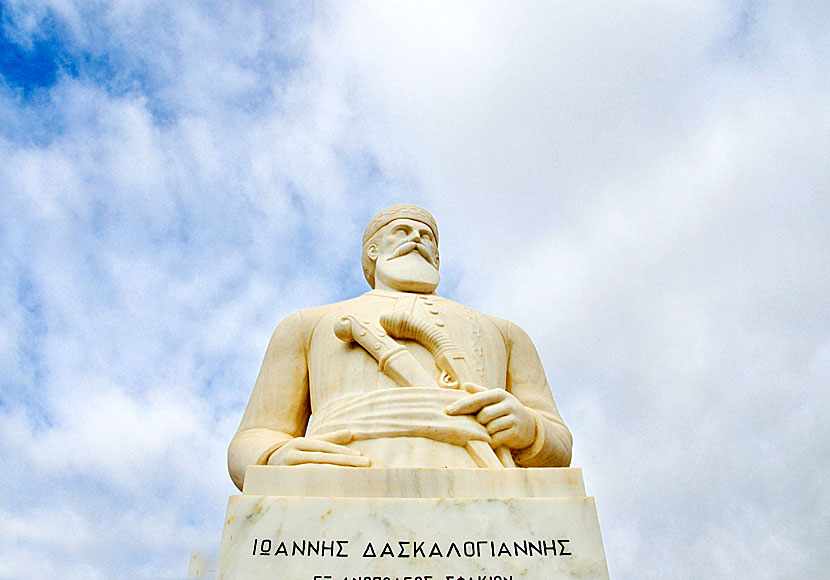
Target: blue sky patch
[{"x": 37, "y": 66}]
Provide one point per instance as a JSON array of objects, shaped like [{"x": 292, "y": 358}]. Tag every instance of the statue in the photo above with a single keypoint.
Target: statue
[{"x": 399, "y": 376}]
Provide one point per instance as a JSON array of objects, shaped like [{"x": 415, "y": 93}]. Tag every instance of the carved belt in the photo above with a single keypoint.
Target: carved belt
[{"x": 411, "y": 412}]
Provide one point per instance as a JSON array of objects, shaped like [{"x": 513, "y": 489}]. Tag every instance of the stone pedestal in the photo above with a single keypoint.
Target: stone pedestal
[{"x": 321, "y": 523}]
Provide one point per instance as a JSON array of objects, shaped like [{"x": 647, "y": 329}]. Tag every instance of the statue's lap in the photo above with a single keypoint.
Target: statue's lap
[{"x": 413, "y": 452}]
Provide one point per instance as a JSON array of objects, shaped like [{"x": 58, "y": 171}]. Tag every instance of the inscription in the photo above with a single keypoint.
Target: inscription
[
  {"x": 324, "y": 548},
  {"x": 413, "y": 549}
]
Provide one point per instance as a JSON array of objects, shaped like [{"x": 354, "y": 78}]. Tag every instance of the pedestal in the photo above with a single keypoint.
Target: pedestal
[{"x": 330, "y": 523}]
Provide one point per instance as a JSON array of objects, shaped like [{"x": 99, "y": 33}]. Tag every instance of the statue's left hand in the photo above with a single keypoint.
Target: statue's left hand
[
  {"x": 508, "y": 422},
  {"x": 326, "y": 449}
]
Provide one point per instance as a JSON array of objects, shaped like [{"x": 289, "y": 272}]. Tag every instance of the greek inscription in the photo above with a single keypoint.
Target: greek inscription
[
  {"x": 480, "y": 577},
  {"x": 426, "y": 577},
  {"x": 307, "y": 548},
  {"x": 414, "y": 549}
]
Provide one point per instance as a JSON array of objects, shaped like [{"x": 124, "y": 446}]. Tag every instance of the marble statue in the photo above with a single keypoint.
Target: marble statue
[{"x": 400, "y": 376}]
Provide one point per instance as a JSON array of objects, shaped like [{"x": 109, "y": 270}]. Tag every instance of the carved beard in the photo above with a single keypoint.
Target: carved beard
[{"x": 408, "y": 271}]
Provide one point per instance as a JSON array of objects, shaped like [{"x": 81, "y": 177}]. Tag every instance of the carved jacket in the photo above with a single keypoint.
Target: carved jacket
[{"x": 312, "y": 382}]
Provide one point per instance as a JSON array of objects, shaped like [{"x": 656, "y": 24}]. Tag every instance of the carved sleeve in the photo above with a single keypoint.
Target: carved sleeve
[
  {"x": 527, "y": 382},
  {"x": 278, "y": 409}
]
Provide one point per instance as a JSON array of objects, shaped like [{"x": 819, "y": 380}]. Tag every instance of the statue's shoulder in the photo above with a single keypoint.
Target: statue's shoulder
[
  {"x": 493, "y": 322},
  {"x": 511, "y": 333},
  {"x": 361, "y": 301},
  {"x": 308, "y": 318},
  {"x": 501, "y": 325}
]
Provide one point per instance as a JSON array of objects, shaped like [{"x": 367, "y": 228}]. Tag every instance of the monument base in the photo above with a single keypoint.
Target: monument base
[{"x": 330, "y": 523}]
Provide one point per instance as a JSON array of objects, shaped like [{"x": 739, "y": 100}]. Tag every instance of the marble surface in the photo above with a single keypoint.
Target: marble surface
[
  {"x": 317, "y": 538},
  {"x": 321, "y": 522},
  {"x": 327, "y": 481},
  {"x": 400, "y": 376}
]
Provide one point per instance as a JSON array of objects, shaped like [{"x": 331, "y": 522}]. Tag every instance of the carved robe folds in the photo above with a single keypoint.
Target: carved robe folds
[{"x": 308, "y": 371}]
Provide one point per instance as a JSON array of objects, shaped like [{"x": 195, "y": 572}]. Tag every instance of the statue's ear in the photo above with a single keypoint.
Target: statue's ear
[{"x": 372, "y": 252}]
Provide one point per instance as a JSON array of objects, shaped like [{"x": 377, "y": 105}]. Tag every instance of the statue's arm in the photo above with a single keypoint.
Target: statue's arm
[
  {"x": 278, "y": 409},
  {"x": 527, "y": 382}
]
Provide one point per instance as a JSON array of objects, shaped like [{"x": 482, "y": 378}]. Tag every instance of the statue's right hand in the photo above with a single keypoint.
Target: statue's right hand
[{"x": 327, "y": 449}]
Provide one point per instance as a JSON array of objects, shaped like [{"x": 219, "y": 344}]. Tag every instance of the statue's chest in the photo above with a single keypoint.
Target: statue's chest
[{"x": 419, "y": 323}]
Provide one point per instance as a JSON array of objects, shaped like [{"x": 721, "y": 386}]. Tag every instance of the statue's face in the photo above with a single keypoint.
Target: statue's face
[{"x": 406, "y": 257}]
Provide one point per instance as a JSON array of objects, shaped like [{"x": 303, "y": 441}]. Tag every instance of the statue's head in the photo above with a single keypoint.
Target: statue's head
[{"x": 400, "y": 250}]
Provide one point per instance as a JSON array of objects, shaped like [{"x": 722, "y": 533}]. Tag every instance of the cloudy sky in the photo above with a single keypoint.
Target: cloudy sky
[{"x": 643, "y": 186}]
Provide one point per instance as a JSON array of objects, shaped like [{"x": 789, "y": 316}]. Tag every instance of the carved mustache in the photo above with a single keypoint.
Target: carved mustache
[{"x": 408, "y": 247}]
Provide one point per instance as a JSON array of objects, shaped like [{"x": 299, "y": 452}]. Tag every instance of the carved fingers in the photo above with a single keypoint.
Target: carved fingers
[
  {"x": 508, "y": 422},
  {"x": 327, "y": 449}
]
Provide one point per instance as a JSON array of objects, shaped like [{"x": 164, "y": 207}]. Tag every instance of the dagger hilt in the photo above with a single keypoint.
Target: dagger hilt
[{"x": 394, "y": 359}]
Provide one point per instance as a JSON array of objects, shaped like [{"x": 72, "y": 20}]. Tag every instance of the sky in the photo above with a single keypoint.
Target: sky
[{"x": 642, "y": 186}]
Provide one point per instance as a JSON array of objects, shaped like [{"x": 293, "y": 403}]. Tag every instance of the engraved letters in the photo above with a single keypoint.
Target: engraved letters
[{"x": 414, "y": 549}]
